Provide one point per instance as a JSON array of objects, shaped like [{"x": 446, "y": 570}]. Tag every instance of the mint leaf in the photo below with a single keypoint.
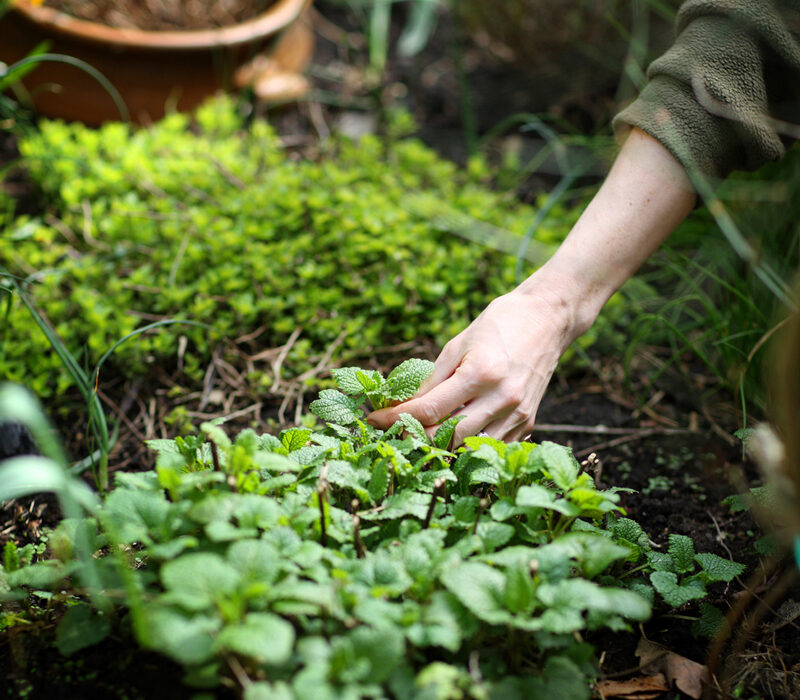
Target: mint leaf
[
  {"x": 405, "y": 380},
  {"x": 347, "y": 381},
  {"x": 518, "y": 595},
  {"x": 710, "y": 622},
  {"x": 79, "y": 628},
  {"x": 480, "y": 588},
  {"x": 681, "y": 549},
  {"x": 379, "y": 481},
  {"x": 263, "y": 637},
  {"x": 673, "y": 593},
  {"x": 559, "y": 464},
  {"x": 199, "y": 579},
  {"x": 535, "y": 496},
  {"x": 371, "y": 381},
  {"x": 295, "y": 438},
  {"x": 414, "y": 427},
  {"x": 186, "y": 639},
  {"x": 444, "y": 433},
  {"x": 715, "y": 568},
  {"x": 334, "y": 407}
]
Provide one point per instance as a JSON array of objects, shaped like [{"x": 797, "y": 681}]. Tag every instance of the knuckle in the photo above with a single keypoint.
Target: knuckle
[
  {"x": 515, "y": 397},
  {"x": 427, "y": 413},
  {"x": 521, "y": 414},
  {"x": 484, "y": 373}
]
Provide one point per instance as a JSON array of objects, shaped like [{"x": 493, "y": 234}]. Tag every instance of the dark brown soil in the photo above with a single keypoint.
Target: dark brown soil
[{"x": 163, "y": 15}]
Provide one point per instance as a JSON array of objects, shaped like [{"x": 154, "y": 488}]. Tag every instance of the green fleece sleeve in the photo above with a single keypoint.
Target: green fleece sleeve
[{"x": 720, "y": 97}]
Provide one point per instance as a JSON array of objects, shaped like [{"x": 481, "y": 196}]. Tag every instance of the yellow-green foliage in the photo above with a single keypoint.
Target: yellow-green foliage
[{"x": 208, "y": 221}]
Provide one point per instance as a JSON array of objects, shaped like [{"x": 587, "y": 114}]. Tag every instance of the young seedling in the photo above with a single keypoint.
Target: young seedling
[{"x": 357, "y": 386}]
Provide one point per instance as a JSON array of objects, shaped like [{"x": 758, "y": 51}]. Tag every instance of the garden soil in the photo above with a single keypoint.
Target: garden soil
[{"x": 163, "y": 15}]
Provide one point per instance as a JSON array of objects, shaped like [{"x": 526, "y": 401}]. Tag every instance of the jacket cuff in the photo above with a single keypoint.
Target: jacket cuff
[{"x": 666, "y": 109}]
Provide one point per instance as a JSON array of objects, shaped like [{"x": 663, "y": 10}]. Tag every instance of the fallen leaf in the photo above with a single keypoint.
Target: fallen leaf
[
  {"x": 687, "y": 675},
  {"x": 641, "y": 688}
]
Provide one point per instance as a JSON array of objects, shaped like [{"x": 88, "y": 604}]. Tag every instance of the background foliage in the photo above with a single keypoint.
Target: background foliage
[{"x": 209, "y": 222}]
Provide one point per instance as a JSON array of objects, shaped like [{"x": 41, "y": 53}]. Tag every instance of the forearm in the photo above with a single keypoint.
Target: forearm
[
  {"x": 495, "y": 372},
  {"x": 643, "y": 199}
]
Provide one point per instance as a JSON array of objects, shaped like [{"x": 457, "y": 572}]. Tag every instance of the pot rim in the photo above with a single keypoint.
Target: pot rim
[{"x": 276, "y": 17}]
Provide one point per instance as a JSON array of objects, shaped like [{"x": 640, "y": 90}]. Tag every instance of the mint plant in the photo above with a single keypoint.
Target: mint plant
[
  {"x": 357, "y": 386},
  {"x": 353, "y": 562}
]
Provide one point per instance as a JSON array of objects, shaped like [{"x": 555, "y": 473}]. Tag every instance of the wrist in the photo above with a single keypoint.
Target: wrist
[{"x": 572, "y": 297}]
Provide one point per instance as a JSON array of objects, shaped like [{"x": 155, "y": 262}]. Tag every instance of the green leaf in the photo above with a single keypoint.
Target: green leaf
[
  {"x": 381, "y": 648},
  {"x": 632, "y": 533},
  {"x": 535, "y": 496},
  {"x": 519, "y": 591},
  {"x": 199, "y": 579},
  {"x": 263, "y": 637},
  {"x": 414, "y": 428},
  {"x": 558, "y": 463},
  {"x": 561, "y": 678},
  {"x": 443, "y": 623},
  {"x": 401, "y": 504},
  {"x": 644, "y": 589},
  {"x": 347, "y": 382},
  {"x": 138, "y": 515},
  {"x": 261, "y": 690},
  {"x": 216, "y": 435},
  {"x": 766, "y": 546},
  {"x": 494, "y": 535},
  {"x": 379, "y": 481},
  {"x": 595, "y": 553},
  {"x": 384, "y": 575},
  {"x": 444, "y": 433},
  {"x": 710, "y": 622},
  {"x": 29, "y": 474},
  {"x": 484, "y": 475},
  {"x": 717, "y": 568},
  {"x": 480, "y": 588},
  {"x": 496, "y": 451},
  {"x": 660, "y": 561},
  {"x": 405, "y": 380},
  {"x": 256, "y": 560},
  {"x": 295, "y": 438},
  {"x": 465, "y": 509},
  {"x": 586, "y": 595},
  {"x": 42, "y": 575},
  {"x": 681, "y": 549},
  {"x": 188, "y": 639},
  {"x": 10, "y": 557},
  {"x": 335, "y": 407},
  {"x": 673, "y": 593},
  {"x": 79, "y": 628},
  {"x": 253, "y": 511},
  {"x": 370, "y": 380}
]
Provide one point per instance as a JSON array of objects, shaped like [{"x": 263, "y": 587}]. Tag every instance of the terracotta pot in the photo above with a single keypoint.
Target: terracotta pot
[{"x": 155, "y": 71}]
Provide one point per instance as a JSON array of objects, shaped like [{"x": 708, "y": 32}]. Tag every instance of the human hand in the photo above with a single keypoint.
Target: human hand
[{"x": 496, "y": 371}]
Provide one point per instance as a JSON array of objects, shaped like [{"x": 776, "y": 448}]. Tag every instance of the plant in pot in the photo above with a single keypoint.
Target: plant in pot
[{"x": 159, "y": 54}]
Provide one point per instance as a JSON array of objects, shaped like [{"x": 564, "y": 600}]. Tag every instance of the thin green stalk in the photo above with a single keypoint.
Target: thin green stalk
[{"x": 8, "y": 76}]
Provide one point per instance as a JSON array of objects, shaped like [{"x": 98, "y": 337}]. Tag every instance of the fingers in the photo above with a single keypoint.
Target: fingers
[
  {"x": 444, "y": 366},
  {"x": 476, "y": 417},
  {"x": 431, "y": 408}
]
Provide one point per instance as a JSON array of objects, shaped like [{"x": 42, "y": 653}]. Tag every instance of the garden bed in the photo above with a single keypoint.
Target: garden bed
[{"x": 676, "y": 455}]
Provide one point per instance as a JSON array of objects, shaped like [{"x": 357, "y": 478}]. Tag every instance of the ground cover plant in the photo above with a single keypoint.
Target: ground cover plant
[
  {"x": 350, "y": 562},
  {"x": 330, "y": 257}
]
